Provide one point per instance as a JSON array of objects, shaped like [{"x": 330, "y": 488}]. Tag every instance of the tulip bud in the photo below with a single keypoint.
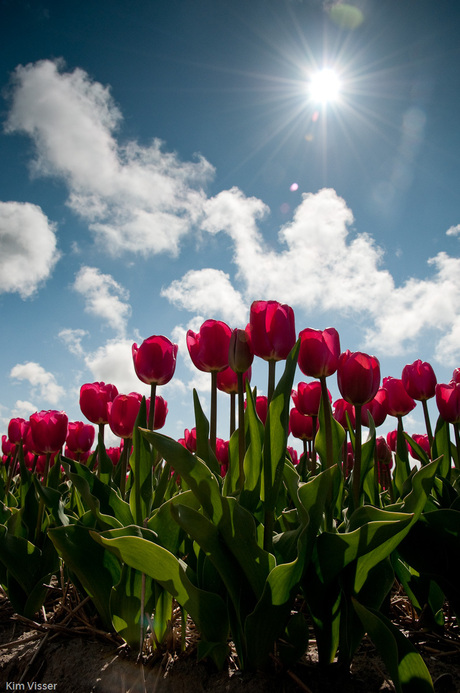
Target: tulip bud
[
  {"x": 49, "y": 430},
  {"x": 307, "y": 397},
  {"x": 358, "y": 377},
  {"x": 123, "y": 413},
  {"x": 240, "y": 355},
  {"x": 272, "y": 330},
  {"x": 448, "y": 401},
  {"x": 419, "y": 380},
  {"x": 208, "y": 348},
  {"x": 155, "y": 360},
  {"x": 319, "y": 352},
  {"x": 398, "y": 402},
  {"x": 94, "y": 398}
]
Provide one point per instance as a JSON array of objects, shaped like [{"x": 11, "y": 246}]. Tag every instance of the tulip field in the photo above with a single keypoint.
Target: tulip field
[{"x": 257, "y": 544}]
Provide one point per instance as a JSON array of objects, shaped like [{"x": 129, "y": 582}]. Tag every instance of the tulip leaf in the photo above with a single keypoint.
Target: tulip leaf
[
  {"x": 207, "y": 609},
  {"x": 125, "y": 604},
  {"x": 103, "y": 501},
  {"x": 97, "y": 569},
  {"x": 405, "y": 665},
  {"x": 203, "y": 448},
  {"x": 337, "y": 435},
  {"x": 442, "y": 446}
]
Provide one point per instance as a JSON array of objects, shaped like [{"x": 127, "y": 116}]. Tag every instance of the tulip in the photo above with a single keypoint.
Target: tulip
[
  {"x": 423, "y": 441},
  {"x": 190, "y": 439},
  {"x": 155, "y": 360},
  {"x": 319, "y": 352},
  {"x": 448, "y": 401},
  {"x": 419, "y": 380},
  {"x": 94, "y": 400},
  {"x": 161, "y": 410},
  {"x": 17, "y": 430},
  {"x": 358, "y": 378},
  {"x": 376, "y": 408},
  {"x": 114, "y": 454},
  {"x": 301, "y": 425},
  {"x": 398, "y": 402},
  {"x": 456, "y": 375},
  {"x": 261, "y": 408},
  {"x": 307, "y": 397},
  {"x": 80, "y": 437},
  {"x": 7, "y": 446},
  {"x": 208, "y": 350},
  {"x": 293, "y": 455},
  {"x": 392, "y": 437},
  {"x": 49, "y": 430},
  {"x": 123, "y": 413},
  {"x": 222, "y": 455},
  {"x": 384, "y": 463},
  {"x": 240, "y": 354},
  {"x": 272, "y": 331},
  {"x": 341, "y": 409}
]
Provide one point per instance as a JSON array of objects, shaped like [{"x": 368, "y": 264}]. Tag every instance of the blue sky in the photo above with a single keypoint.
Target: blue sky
[{"x": 163, "y": 163}]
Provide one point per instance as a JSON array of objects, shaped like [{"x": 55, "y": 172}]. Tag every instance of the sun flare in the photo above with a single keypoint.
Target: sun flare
[{"x": 324, "y": 86}]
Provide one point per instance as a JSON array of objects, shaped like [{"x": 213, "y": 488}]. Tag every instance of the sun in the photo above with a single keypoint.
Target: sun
[{"x": 324, "y": 86}]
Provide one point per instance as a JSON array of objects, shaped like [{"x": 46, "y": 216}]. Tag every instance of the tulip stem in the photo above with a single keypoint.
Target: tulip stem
[
  {"x": 124, "y": 465},
  {"x": 271, "y": 380},
  {"x": 232, "y": 413},
  {"x": 213, "y": 423},
  {"x": 153, "y": 392},
  {"x": 427, "y": 422},
  {"x": 100, "y": 443},
  {"x": 41, "y": 505},
  {"x": 357, "y": 460},
  {"x": 457, "y": 444},
  {"x": 241, "y": 441},
  {"x": 313, "y": 447},
  {"x": 327, "y": 421}
]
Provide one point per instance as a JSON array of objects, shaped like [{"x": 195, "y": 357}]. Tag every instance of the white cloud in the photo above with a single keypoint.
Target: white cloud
[
  {"x": 113, "y": 363},
  {"x": 28, "y": 251},
  {"x": 43, "y": 383},
  {"x": 72, "y": 339},
  {"x": 453, "y": 231},
  {"x": 23, "y": 409},
  {"x": 104, "y": 297},
  {"x": 136, "y": 198},
  {"x": 210, "y": 291}
]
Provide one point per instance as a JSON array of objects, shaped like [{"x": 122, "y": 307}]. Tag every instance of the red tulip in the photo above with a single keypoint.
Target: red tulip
[
  {"x": 456, "y": 375},
  {"x": 319, "y": 352},
  {"x": 240, "y": 354},
  {"x": 383, "y": 451},
  {"x": 190, "y": 439},
  {"x": 159, "y": 415},
  {"x": 272, "y": 330},
  {"x": 262, "y": 408},
  {"x": 227, "y": 380},
  {"x": 398, "y": 402},
  {"x": 293, "y": 455},
  {"x": 341, "y": 408},
  {"x": 49, "y": 430},
  {"x": 448, "y": 401},
  {"x": 94, "y": 399},
  {"x": 307, "y": 398},
  {"x": 80, "y": 436},
  {"x": 392, "y": 438},
  {"x": 222, "y": 455},
  {"x": 114, "y": 454},
  {"x": 301, "y": 426},
  {"x": 155, "y": 360},
  {"x": 123, "y": 413},
  {"x": 7, "y": 446},
  {"x": 419, "y": 380},
  {"x": 376, "y": 407},
  {"x": 17, "y": 430},
  {"x": 423, "y": 441},
  {"x": 208, "y": 348},
  {"x": 358, "y": 377}
]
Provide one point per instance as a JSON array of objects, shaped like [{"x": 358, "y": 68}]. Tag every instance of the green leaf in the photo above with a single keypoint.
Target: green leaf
[
  {"x": 203, "y": 448},
  {"x": 207, "y": 609},
  {"x": 405, "y": 665},
  {"x": 442, "y": 447},
  {"x": 96, "y": 568},
  {"x": 337, "y": 435}
]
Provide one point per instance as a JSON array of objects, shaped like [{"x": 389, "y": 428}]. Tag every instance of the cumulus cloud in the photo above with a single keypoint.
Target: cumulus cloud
[
  {"x": 136, "y": 198},
  {"x": 113, "y": 363},
  {"x": 210, "y": 291},
  {"x": 28, "y": 248},
  {"x": 43, "y": 383},
  {"x": 104, "y": 297},
  {"x": 453, "y": 230},
  {"x": 73, "y": 339}
]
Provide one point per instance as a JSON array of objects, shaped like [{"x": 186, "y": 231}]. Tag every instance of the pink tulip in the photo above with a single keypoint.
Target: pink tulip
[
  {"x": 80, "y": 436},
  {"x": 155, "y": 360},
  {"x": 319, "y": 352},
  {"x": 376, "y": 407},
  {"x": 307, "y": 397},
  {"x": 448, "y": 401},
  {"x": 123, "y": 413},
  {"x": 208, "y": 348},
  {"x": 419, "y": 380},
  {"x": 94, "y": 400},
  {"x": 341, "y": 409},
  {"x": 358, "y": 377},
  {"x": 398, "y": 402},
  {"x": 272, "y": 330},
  {"x": 49, "y": 430}
]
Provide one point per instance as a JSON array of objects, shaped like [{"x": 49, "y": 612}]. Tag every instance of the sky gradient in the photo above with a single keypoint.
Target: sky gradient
[{"x": 163, "y": 163}]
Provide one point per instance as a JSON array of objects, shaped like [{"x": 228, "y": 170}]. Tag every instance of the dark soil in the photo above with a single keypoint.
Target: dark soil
[{"x": 71, "y": 655}]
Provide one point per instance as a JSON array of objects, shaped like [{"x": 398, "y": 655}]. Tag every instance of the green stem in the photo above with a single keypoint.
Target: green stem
[
  {"x": 153, "y": 393},
  {"x": 41, "y": 505},
  {"x": 271, "y": 380},
  {"x": 457, "y": 445},
  {"x": 327, "y": 421},
  {"x": 357, "y": 460},
  {"x": 127, "y": 442},
  {"x": 427, "y": 422},
  {"x": 232, "y": 413},
  {"x": 313, "y": 446},
  {"x": 213, "y": 423},
  {"x": 241, "y": 440},
  {"x": 100, "y": 443}
]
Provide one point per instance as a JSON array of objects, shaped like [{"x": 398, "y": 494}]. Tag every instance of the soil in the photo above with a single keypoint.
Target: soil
[{"x": 64, "y": 650}]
